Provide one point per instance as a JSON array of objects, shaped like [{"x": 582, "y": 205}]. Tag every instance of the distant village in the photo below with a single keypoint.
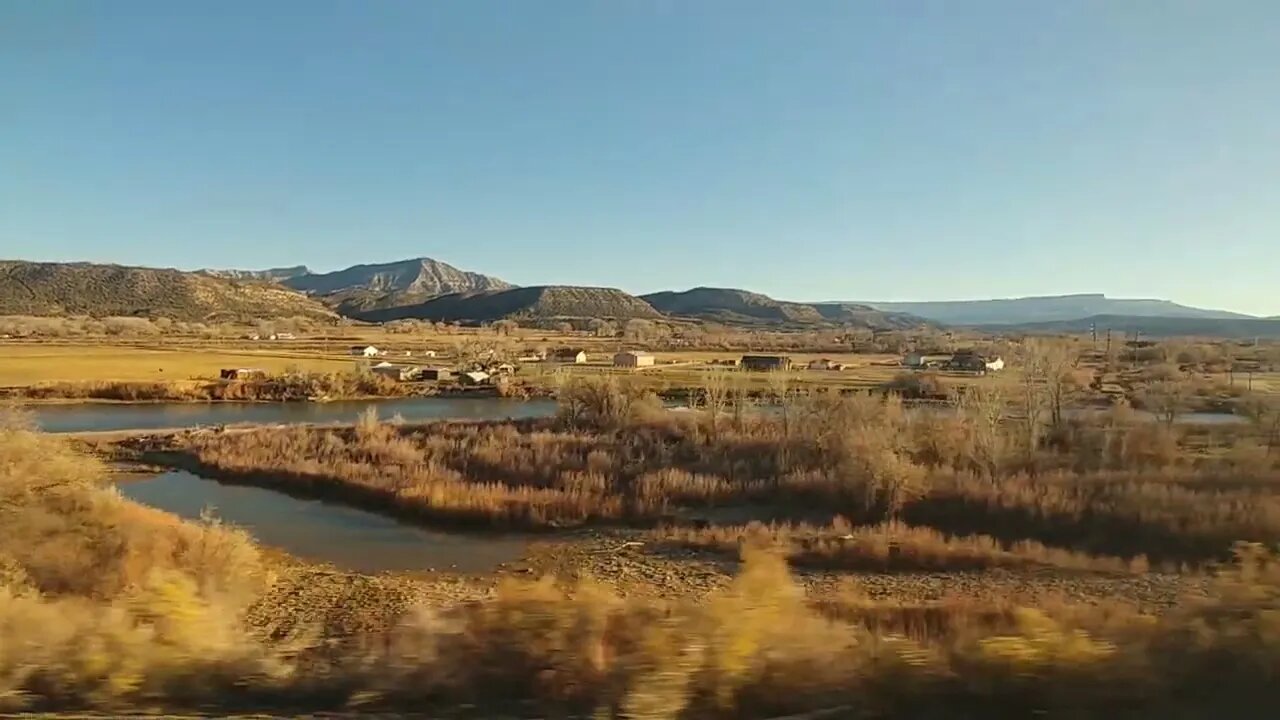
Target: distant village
[{"x": 488, "y": 368}]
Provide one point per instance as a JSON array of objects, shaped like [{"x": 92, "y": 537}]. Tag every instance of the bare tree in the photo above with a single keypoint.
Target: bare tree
[
  {"x": 1032, "y": 397},
  {"x": 505, "y": 327},
  {"x": 1051, "y": 370},
  {"x": 1167, "y": 399},
  {"x": 637, "y": 330},
  {"x": 782, "y": 394},
  {"x": 715, "y": 397},
  {"x": 1265, "y": 414},
  {"x": 602, "y": 328}
]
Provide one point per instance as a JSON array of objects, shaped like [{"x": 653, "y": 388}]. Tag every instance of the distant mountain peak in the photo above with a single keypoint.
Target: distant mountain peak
[
  {"x": 541, "y": 302},
  {"x": 374, "y": 286}
]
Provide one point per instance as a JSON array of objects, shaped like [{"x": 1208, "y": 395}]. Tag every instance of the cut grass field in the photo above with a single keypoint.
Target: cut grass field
[{"x": 24, "y": 365}]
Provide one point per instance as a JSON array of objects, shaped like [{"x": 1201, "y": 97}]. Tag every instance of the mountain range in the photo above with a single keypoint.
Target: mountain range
[
  {"x": 1052, "y": 308},
  {"x": 739, "y": 307},
  {"x": 428, "y": 289},
  {"x": 1150, "y": 326}
]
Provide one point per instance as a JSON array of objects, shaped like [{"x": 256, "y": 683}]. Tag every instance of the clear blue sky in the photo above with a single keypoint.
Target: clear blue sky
[{"x": 811, "y": 150}]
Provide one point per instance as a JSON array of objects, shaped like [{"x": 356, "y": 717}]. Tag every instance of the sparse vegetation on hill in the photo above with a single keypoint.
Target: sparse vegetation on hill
[
  {"x": 366, "y": 288},
  {"x": 742, "y": 307},
  {"x": 537, "y": 303},
  {"x": 28, "y": 288}
]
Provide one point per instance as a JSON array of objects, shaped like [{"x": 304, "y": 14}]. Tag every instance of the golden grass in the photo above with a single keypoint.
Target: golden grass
[
  {"x": 122, "y": 611},
  {"x": 103, "y": 600},
  {"x": 1103, "y": 486},
  {"x": 31, "y": 364},
  {"x": 887, "y": 546}
]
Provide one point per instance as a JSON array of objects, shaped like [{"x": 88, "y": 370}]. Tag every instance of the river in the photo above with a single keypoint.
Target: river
[
  {"x": 346, "y": 537},
  {"x": 92, "y": 417}
]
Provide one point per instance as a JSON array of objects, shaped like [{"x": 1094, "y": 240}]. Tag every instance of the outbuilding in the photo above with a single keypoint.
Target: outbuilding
[
  {"x": 633, "y": 359},
  {"x": 766, "y": 362}
]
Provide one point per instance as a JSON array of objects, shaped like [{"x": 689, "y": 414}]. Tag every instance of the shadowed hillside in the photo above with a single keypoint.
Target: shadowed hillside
[
  {"x": 550, "y": 301},
  {"x": 742, "y": 307},
  {"x": 29, "y": 288}
]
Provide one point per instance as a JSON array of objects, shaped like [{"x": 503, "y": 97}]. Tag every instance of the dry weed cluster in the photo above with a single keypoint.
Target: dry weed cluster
[
  {"x": 1109, "y": 483},
  {"x": 106, "y": 605},
  {"x": 283, "y": 387}
]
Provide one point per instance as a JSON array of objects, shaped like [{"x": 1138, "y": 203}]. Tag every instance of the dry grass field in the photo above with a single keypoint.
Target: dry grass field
[
  {"x": 177, "y": 360},
  {"x": 32, "y": 364}
]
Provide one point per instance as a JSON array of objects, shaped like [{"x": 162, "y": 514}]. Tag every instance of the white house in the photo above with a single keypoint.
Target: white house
[
  {"x": 995, "y": 364},
  {"x": 365, "y": 351}
]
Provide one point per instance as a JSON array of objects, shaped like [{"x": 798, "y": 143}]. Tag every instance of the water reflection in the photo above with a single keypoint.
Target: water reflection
[
  {"x": 101, "y": 417},
  {"x": 346, "y": 537}
]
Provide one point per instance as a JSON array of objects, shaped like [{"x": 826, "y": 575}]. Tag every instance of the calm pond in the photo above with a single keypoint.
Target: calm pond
[
  {"x": 91, "y": 417},
  {"x": 345, "y": 537}
]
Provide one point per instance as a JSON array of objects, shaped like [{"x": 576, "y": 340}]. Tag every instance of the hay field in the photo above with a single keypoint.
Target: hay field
[{"x": 23, "y": 365}]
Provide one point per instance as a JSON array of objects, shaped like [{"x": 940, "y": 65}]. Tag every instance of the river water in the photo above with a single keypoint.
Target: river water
[
  {"x": 88, "y": 417},
  {"x": 348, "y": 538}
]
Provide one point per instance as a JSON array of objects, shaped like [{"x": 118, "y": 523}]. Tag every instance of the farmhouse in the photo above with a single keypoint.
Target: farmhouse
[
  {"x": 365, "y": 351},
  {"x": 766, "y": 362},
  {"x": 399, "y": 373},
  {"x": 569, "y": 355},
  {"x": 242, "y": 374},
  {"x": 972, "y": 361},
  {"x": 921, "y": 360},
  {"x": 435, "y": 373},
  {"x": 476, "y": 377},
  {"x": 633, "y": 359}
]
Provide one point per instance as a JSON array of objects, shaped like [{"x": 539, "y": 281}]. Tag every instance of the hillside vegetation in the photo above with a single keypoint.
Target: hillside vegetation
[
  {"x": 549, "y": 301},
  {"x": 734, "y": 306},
  {"x": 362, "y": 288},
  {"x": 29, "y": 288},
  {"x": 270, "y": 274}
]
